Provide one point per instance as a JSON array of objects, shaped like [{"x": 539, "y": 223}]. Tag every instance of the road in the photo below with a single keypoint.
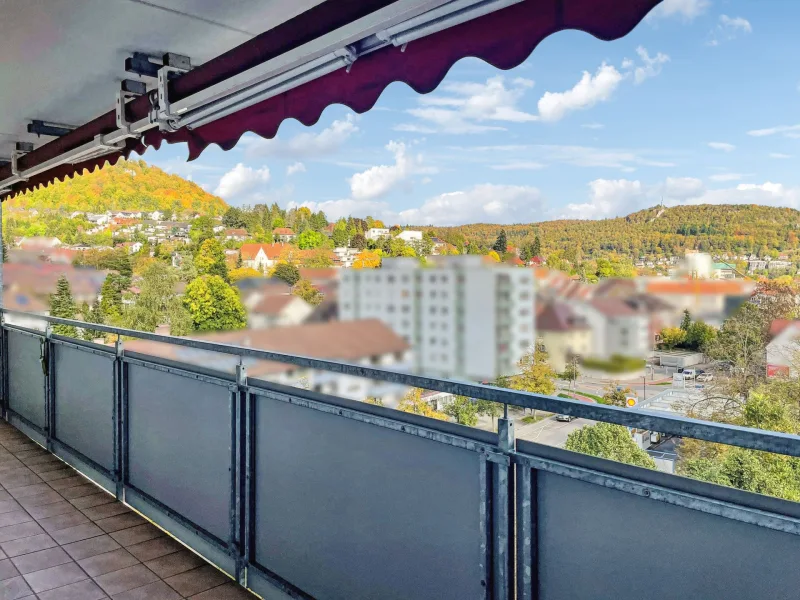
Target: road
[{"x": 548, "y": 431}]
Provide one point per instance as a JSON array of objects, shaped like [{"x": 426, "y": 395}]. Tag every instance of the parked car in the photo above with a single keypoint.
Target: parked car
[
  {"x": 565, "y": 418},
  {"x": 689, "y": 373},
  {"x": 705, "y": 377}
]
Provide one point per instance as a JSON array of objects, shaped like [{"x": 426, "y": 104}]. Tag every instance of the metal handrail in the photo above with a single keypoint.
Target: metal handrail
[{"x": 723, "y": 433}]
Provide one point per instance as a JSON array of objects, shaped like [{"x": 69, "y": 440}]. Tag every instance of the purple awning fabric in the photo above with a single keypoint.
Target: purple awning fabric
[{"x": 503, "y": 39}]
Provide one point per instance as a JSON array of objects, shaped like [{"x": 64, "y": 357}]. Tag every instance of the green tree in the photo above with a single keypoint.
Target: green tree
[
  {"x": 535, "y": 374},
  {"x": 490, "y": 409},
  {"x": 616, "y": 395},
  {"x": 536, "y": 247},
  {"x": 156, "y": 296},
  {"x": 339, "y": 236},
  {"x": 358, "y": 241},
  {"x": 413, "y": 403},
  {"x": 5, "y": 251},
  {"x": 179, "y": 319},
  {"x": 612, "y": 442},
  {"x": 288, "y": 272},
  {"x": 210, "y": 260},
  {"x": 62, "y": 305},
  {"x": 306, "y": 290},
  {"x": 186, "y": 270},
  {"x": 501, "y": 243},
  {"x": 672, "y": 337},
  {"x": 92, "y": 314},
  {"x": 201, "y": 230},
  {"x": 234, "y": 218},
  {"x": 699, "y": 336},
  {"x": 686, "y": 321},
  {"x": 214, "y": 305},
  {"x": 571, "y": 373},
  {"x": 310, "y": 239},
  {"x": 111, "y": 296},
  {"x": 463, "y": 410}
]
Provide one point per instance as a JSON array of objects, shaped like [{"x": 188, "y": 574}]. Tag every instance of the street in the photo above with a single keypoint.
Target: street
[{"x": 548, "y": 431}]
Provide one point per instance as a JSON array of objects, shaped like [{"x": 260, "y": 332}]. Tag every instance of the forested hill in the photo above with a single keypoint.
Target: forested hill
[
  {"x": 723, "y": 228},
  {"x": 127, "y": 185}
]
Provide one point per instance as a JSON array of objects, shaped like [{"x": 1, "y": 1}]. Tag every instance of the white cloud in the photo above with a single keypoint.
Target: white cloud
[
  {"x": 791, "y": 131},
  {"x": 379, "y": 180},
  {"x": 727, "y": 29},
  {"x": 610, "y": 198},
  {"x": 241, "y": 180},
  {"x": 588, "y": 156},
  {"x": 518, "y": 166},
  {"x": 303, "y": 145},
  {"x": 650, "y": 67},
  {"x": 297, "y": 167},
  {"x": 779, "y": 155},
  {"x": 593, "y": 126},
  {"x": 726, "y": 177},
  {"x": 465, "y": 107},
  {"x": 486, "y": 203},
  {"x": 725, "y": 147},
  {"x": 686, "y": 9},
  {"x": 590, "y": 90}
]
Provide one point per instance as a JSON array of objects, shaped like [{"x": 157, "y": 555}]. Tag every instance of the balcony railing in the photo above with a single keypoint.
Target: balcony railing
[{"x": 302, "y": 495}]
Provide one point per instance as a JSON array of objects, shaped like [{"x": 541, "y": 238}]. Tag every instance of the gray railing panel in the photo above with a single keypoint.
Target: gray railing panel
[
  {"x": 179, "y": 445},
  {"x": 593, "y": 539},
  {"x": 26, "y": 391},
  {"x": 348, "y": 510},
  {"x": 83, "y": 397}
]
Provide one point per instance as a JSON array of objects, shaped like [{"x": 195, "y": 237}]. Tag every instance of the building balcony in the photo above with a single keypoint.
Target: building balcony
[{"x": 295, "y": 494}]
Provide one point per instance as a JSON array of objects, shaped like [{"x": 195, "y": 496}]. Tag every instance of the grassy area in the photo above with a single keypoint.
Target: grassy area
[
  {"x": 598, "y": 399},
  {"x": 531, "y": 419},
  {"x": 662, "y": 383}
]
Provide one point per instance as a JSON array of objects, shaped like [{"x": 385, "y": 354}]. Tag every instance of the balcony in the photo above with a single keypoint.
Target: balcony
[{"x": 295, "y": 494}]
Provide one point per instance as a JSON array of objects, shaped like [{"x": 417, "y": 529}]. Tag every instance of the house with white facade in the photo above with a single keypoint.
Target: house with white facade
[
  {"x": 262, "y": 256},
  {"x": 283, "y": 234},
  {"x": 377, "y": 233},
  {"x": 783, "y": 349},
  {"x": 410, "y": 236},
  {"x": 344, "y": 257},
  {"x": 617, "y": 328},
  {"x": 463, "y": 318},
  {"x": 278, "y": 311}
]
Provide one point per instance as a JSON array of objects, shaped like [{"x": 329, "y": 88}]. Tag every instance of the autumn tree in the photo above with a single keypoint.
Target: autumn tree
[
  {"x": 616, "y": 395},
  {"x": 367, "y": 260},
  {"x": 609, "y": 441},
  {"x": 243, "y": 273},
  {"x": 672, "y": 337},
  {"x": 210, "y": 259},
  {"x": 62, "y": 305},
  {"x": 306, "y": 290},
  {"x": 413, "y": 403},
  {"x": 535, "y": 374},
  {"x": 214, "y": 305}
]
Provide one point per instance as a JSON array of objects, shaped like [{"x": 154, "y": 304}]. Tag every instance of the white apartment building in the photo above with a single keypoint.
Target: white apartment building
[
  {"x": 409, "y": 236},
  {"x": 463, "y": 319},
  {"x": 377, "y": 233},
  {"x": 344, "y": 257}
]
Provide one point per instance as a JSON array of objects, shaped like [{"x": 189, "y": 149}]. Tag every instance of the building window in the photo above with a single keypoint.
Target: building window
[
  {"x": 346, "y": 306},
  {"x": 524, "y": 312},
  {"x": 390, "y": 279},
  {"x": 375, "y": 359},
  {"x": 404, "y": 294},
  {"x": 390, "y": 308},
  {"x": 432, "y": 278},
  {"x": 433, "y": 293},
  {"x": 444, "y": 278},
  {"x": 432, "y": 341},
  {"x": 405, "y": 308},
  {"x": 433, "y": 310},
  {"x": 445, "y": 310},
  {"x": 404, "y": 279}
]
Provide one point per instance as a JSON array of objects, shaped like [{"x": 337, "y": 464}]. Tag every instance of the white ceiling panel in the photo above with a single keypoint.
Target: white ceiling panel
[{"x": 61, "y": 61}]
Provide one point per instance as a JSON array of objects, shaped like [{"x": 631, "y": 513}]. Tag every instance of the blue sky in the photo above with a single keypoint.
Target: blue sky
[{"x": 698, "y": 104}]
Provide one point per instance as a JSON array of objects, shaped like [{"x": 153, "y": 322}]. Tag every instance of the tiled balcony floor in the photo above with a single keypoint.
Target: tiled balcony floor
[{"x": 63, "y": 538}]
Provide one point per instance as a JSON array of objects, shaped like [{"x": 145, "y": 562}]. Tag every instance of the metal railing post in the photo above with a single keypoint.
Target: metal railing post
[
  {"x": 118, "y": 411},
  {"x": 503, "y": 498},
  {"x": 49, "y": 387},
  {"x": 240, "y": 522}
]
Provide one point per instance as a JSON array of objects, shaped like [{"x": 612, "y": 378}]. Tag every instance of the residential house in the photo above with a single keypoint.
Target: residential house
[
  {"x": 344, "y": 257},
  {"x": 156, "y": 215},
  {"x": 376, "y": 233},
  {"x": 617, "y": 328},
  {"x": 328, "y": 229},
  {"x": 783, "y": 350},
  {"x": 563, "y": 334},
  {"x": 218, "y": 229},
  {"x": 779, "y": 265},
  {"x": 723, "y": 270},
  {"x": 410, "y": 236},
  {"x": 262, "y": 256},
  {"x": 366, "y": 342},
  {"x": 238, "y": 235},
  {"x": 756, "y": 265},
  {"x": 36, "y": 244},
  {"x": 278, "y": 311},
  {"x": 283, "y": 234},
  {"x": 707, "y": 300}
]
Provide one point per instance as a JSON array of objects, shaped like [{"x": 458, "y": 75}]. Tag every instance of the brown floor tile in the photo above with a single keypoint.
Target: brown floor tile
[
  {"x": 7, "y": 475},
  {"x": 48, "y": 497},
  {"x": 126, "y": 579},
  {"x": 43, "y": 460},
  {"x": 91, "y": 547},
  {"x": 92, "y": 500},
  {"x": 153, "y": 591},
  {"x": 134, "y": 535},
  {"x": 107, "y": 562},
  {"x": 29, "y": 454},
  {"x": 77, "y": 533},
  {"x": 55, "y": 577},
  {"x": 11, "y": 465},
  {"x": 30, "y": 490},
  {"x": 83, "y": 590},
  {"x": 154, "y": 548},
  {"x": 43, "y": 559},
  {"x": 7, "y": 569},
  {"x": 78, "y": 491},
  {"x": 95, "y": 513},
  {"x": 68, "y": 482},
  {"x": 124, "y": 521},
  {"x": 229, "y": 591},
  {"x": 9, "y": 505},
  {"x": 14, "y": 588},
  {"x": 22, "y": 530},
  {"x": 197, "y": 580},
  {"x": 5, "y": 496},
  {"x": 62, "y": 521},
  {"x": 14, "y": 517},
  {"x": 50, "y": 510},
  {"x": 55, "y": 474},
  {"x": 3, "y": 555},
  {"x": 172, "y": 564},
  {"x": 28, "y": 544},
  {"x": 21, "y": 480}
]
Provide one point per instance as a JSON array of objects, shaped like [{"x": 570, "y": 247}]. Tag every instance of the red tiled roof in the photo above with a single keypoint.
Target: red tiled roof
[
  {"x": 273, "y": 251},
  {"x": 323, "y": 274},
  {"x": 238, "y": 232},
  {"x": 282, "y": 231},
  {"x": 559, "y": 317},
  {"x": 273, "y": 305},
  {"x": 778, "y": 326},
  {"x": 697, "y": 286},
  {"x": 612, "y": 307}
]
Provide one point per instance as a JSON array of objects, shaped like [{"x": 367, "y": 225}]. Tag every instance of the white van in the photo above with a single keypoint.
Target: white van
[{"x": 689, "y": 373}]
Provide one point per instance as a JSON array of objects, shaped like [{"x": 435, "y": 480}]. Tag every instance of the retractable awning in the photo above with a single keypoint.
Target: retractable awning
[{"x": 58, "y": 62}]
